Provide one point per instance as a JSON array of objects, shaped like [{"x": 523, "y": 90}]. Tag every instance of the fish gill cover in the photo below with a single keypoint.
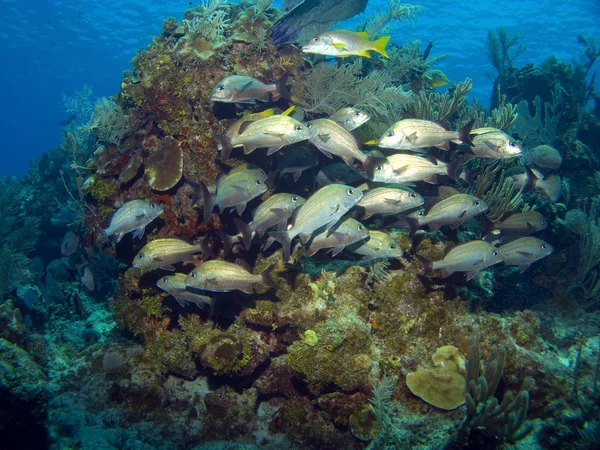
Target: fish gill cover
[{"x": 438, "y": 281}]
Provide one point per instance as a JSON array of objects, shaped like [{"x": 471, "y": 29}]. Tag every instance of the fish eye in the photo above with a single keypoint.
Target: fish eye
[
  {"x": 477, "y": 202},
  {"x": 495, "y": 254},
  {"x": 357, "y": 113},
  {"x": 350, "y": 191},
  {"x": 153, "y": 206},
  {"x": 316, "y": 39},
  {"x": 512, "y": 144},
  {"x": 294, "y": 198},
  {"x": 360, "y": 228},
  {"x": 221, "y": 88},
  {"x": 412, "y": 195},
  {"x": 390, "y": 134},
  {"x": 258, "y": 182},
  {"x": 543, "y": 222},
  {"x": 193, "y": 275},
  {"x": 141, "y": 255},
  {"x": 309, "y": 125},
  {"x": 298, "y": 127},
  {"x": 392, "y": 246},
  {"x": 544, "y": 247},
  {"x": 421, "y": 213},
  {"x": 378, "y": 167},
  {"x": 165, "y": 280}
]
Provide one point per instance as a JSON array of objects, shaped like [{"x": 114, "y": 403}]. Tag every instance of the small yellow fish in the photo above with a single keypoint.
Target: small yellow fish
[
  {"x": 344, "y": 43},
  {"x": 435, "y": 78}
]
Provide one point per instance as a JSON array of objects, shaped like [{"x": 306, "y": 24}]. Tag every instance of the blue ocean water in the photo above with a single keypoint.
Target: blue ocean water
[{"x": 55, "y": 47}]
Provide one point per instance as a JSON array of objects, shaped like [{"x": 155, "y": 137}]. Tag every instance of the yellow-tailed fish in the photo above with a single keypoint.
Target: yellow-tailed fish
[
  {"x": 379, "y": 245},
  {"x": 163, "y": 253},
  {"x": 470, "y": 257},
  {"x": 435, "y": 78},
  {"x": 132, "y": 216},
  {"x": 419, "y": 135},
  {"x": 222, "y": 276},
  {"x": 343, "y": 43},
  {"x": 525, "y": 251},
  {"x": 350, "y": 118},
  {"x": 175, "y": 285},
  {"x": 385, "y": 200},
  {"x": 407, "y": 169},
  {"x": 333, "y": 139},
  {"x": 272, "y": 132},
  {"x": 234, "y": 128},
  {"x": 453, "y": 210},
  {"x": 275, "y": 210},
  {"x": 322, "y": 209},
  {"x": 492, "y": 143},
  {"x": 243, "y": 89},
  {"x": 346, "y": 232}
]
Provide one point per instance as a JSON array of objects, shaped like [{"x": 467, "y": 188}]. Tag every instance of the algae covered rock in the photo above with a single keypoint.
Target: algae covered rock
[{"x": 444, "y": 385}]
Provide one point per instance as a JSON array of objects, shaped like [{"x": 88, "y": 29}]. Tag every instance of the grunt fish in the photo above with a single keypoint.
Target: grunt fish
[
  {"x": 545, "y": 157},
  {"x": 453, "y": 210},
  {"x": 296, "y": 161},
  {"x": 346, "y": 232},
  {"x": 322, "y": 209},
  {"x": 272, "y": 132},
  {"x": 526, "y": 178},
  {"x": 435, "y": 78},
  {"x": 418, "y": 135},
  {"x": 274, "y": 210},
  {"x": 234, "y": 190},
  {"x": 492, "y": 143},
  {"x": 406, "y": 169},
  {"x": 337, "y": 173},
  {"x": 222, "y": 276},
  {"x": 350, "y": 118},
  {"x": 132, "y": 216},
  {"x": 243, "y": 89},
  {"x": 333, "y": 139},
  {"x": 163, "y": 253},
  {"x": 379, "y": 245},
  {"x": 521, "y": 223},
  {"x": 386, "y": 200},
  {"x": 525, "y": 251},
  {"x": 174, "y": 285},
  {"x": 470, "y": 257},
  {"x": 344, "y": 43}
]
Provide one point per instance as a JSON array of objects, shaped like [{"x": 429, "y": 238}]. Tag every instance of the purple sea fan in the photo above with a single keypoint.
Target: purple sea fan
[
  {"x": 69, "y": 244},
  {"x": 87, "y": 279}
]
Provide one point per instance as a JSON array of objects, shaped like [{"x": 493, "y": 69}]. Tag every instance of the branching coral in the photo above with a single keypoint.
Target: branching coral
[
  {"x": 502, "y": 117},
  {"x": 439, "y": 107},
  {"x": 108, "y": 122},
  {"x": 208, "y": 21},
  {"x": 500, "y": 194},
  {"x": 380, "y": 25},
  {"x": 503, "y": 49}
]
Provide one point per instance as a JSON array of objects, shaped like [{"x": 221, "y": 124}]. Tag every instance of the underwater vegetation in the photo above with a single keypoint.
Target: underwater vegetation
[{"x": 400, "y": 268}]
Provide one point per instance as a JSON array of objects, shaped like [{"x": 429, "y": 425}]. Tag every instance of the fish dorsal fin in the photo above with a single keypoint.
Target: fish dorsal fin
[
  {"x": 363, "y": 34},
  {"x": 244, "y": 126},
  {"x": 449, "y": 249},
  {"x": 432, "y": 159},
  {"x": 288, "y": 111}
]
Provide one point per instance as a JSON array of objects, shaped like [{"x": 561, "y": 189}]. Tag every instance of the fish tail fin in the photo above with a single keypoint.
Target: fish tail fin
[
  {"x": 464, "y": 134},
  {"x": 413, "y": 224},
  {"x": 226, "y": 241},
  {"x": 281, "y": 86},
  {"x": 245, "y": 230},
  {"x": 267, "y": 277},
  {"x": 370, "y": 164},
  {"x": 284, "y": 239},
  {"x": 531, "y": 180},
  {"x": 209, "y": 203},
  {"x": 425, "y": 263},
  {"x": 379, "y": 45},
  {"x": 196, "y": 192},
  {"x": 205, "y": 246},
  {"x": 224, "y": 143},
  {"x": 453, "y": 167}
]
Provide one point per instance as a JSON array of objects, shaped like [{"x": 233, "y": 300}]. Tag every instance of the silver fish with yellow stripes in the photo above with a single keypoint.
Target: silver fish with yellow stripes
[
  {"x": 470, "y": 257},
  {"x": 386, "y": 200},
  {"x": 418, "y": 135},
  {"x": 244, "y": 89},
  {"x": 347, "y": 232},
  {"x": 350, "y": 118},
  {"x": 333, "y": 139},
  {"x": 133, "y": 217},
  {"x": 222, "y": 276},
  {"x": 322, "y": 209},
  {"x": 523, "y": 223},
  {"x": 492, "y": 143},
  {"x": 379, "y": 245},
  {"x": 235, "y": 189},
  {"x": 175, "y": 285},
  {"x": 344, "y": 43},
  {"x": 407, "y": 169},
  {"x": 164, "y": 253},
  {"x": 275, "y": 210},
  {"x": 525, "y": 251},
  {"x": 453, "y": 210},
  {"x": 272, "y": 132}
]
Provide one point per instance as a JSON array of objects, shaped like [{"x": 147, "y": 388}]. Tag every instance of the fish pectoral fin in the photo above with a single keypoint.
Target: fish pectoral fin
[
  {"x": 471, "y": 274},
  {"x": 273, "y": 149},
  {"x": 169, "y": 267},
  {"x": 523, "y": 268},
  {"x": 490, "y": 145},
  {"x": 339, "y": 45},
  {"x": 412, "y": 138},
  {"x": 462, "y": 214},
  {"x": 331, "y": 224},
  {"x": 211, "y": 281},
  {"x": 138, "y": 232},
  {"x": 530, "y": 227},
  {"x": 279, "y": 212},
  {"x": 399, "y": 170},
  {"x": 525, "y": 254},
  {"x": 391, "y": 201},
  {"x": 326, "y": 153},
  {"x": 180, "y": 301},
  {"x": 240, "y": 208},
  {"x": 336, "y": 250},
  {"x": 296, "y": 175},
  {"x": 324, "y": 137}
]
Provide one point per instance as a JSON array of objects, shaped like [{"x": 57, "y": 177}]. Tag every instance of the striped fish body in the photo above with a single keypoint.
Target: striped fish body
[
  {"x": 133, "y": 217},
  {"x": 164, "y": 253},
  {"x": 416, "y": 135},
  {"x": 525, "y": 251},
  {"x": 407, "y": 169},
  {"x": 175, "y": 285},
  {"x": 470, "y": 257},
  {"x": 347, "y": 232},
  {"x": 385, "y": 200},
  {"x": 379, "y": 245},
  {"x": 333, "y": 139},
  {"x": 222, "y": 276}
]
